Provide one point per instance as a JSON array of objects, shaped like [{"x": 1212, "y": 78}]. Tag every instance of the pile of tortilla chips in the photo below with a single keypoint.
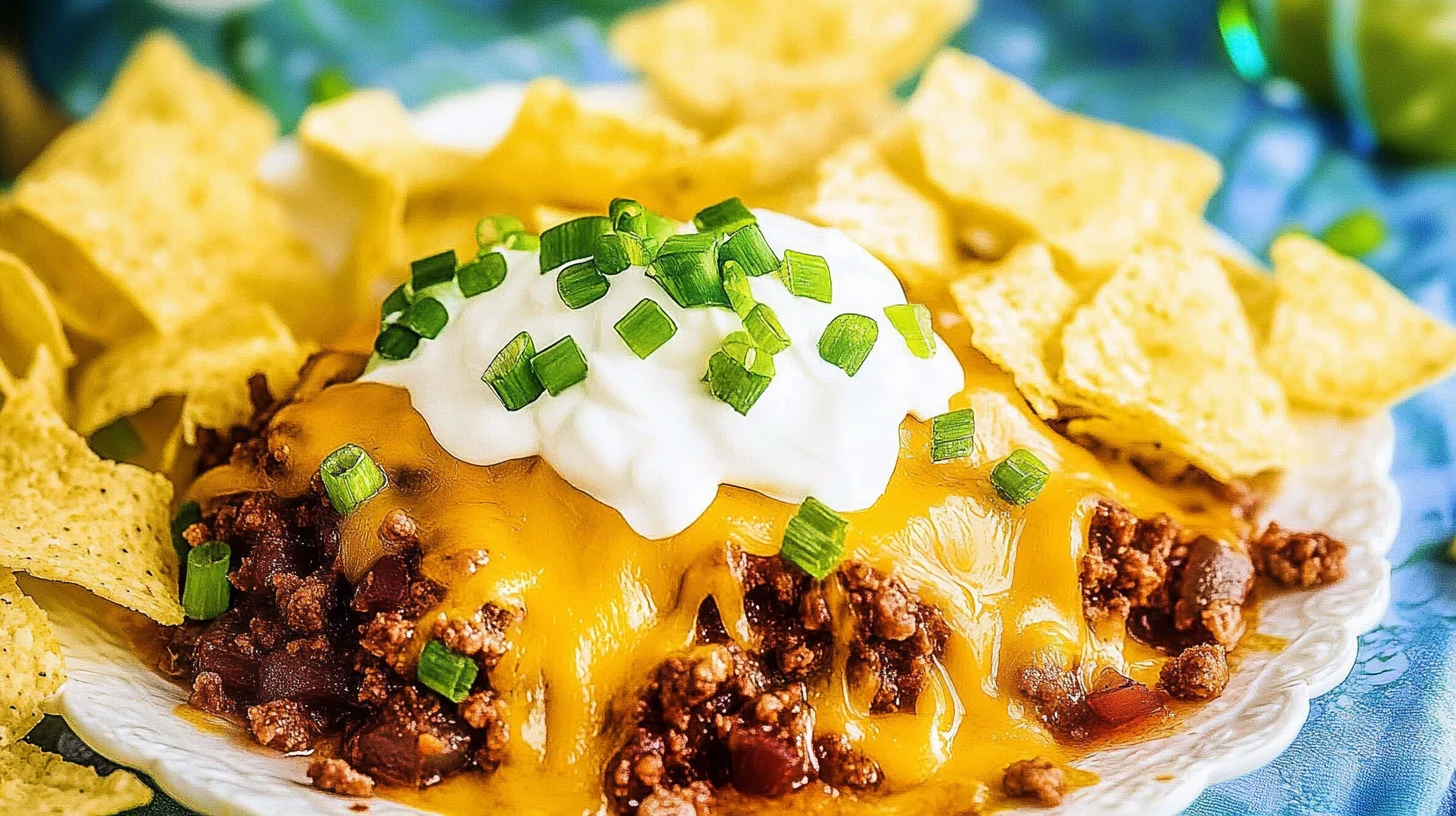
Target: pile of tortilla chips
[{"x": 159, "y": 254}]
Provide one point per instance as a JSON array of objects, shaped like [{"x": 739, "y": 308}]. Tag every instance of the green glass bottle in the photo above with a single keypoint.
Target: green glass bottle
[{"x": 1390, "y": 65}]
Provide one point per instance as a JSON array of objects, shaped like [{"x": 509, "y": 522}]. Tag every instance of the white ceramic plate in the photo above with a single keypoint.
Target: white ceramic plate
[{"x": 128, "y": 713}]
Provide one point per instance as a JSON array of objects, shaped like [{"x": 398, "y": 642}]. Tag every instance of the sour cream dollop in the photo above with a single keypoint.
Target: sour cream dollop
[{"x": 646, "y": 437}]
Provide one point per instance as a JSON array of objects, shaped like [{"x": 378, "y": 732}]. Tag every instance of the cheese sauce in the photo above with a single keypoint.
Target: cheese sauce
[{"x": 603, "y": 605}]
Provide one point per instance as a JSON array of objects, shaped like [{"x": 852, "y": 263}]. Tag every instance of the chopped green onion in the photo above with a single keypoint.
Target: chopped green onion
[
  {"x": 581, "y": 284},
  {"x": 744, "y": 350},
  {"x": 725, "y": 216},
  {"x": 912, "y": 321},
  {"x": 447, "y": 672},
  {"x": 749, "y": 248},
  {"x": 559, "y": 366},
  {"x": 688, "y": 271},
  {"x": 483, "y": 274},
  {"x": 739, "y": 382},
  {"x": 510, "y": 376},
  {"x": 628, "y": 216},
  {"x": 764, "y": 327},
  {"x": 1020, "y": 477},
  {"x": 659, "y": 227},
  {"x": 493, "y": 230},
  {"x": 398, "y": 301},
  {"x": 572, "y": 240},
  {"x": 814, "y": 538},
  {"x": 425, "y": 317},
  {"x": 118, "y": 441},
  {"x": 523, "y": 241},
  {"x": 396, "y": 343},
  {"x": 350, "y": 478},
  {"x": 847, "y": 341},
  {"x": 807, "y": 276},
  {"x": 690, "y": 243},
  {"x": 645, "y": 328},
  {"x": 1357, "y": 233},
  {"x": 427, "y": 272},
  {"x": 205, "y": 590},
  {"x": 618, "y": 250},
  {"x": 188, "y": 514},
  {"x": 329, "y": 84},
  {"x": 735, "y": 284},
  {"x": 952, "y": 434}
]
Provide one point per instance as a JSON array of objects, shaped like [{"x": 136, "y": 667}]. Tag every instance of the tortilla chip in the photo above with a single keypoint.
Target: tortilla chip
[
  {"x": 716, "y": 59},
  {"x": 1343, "y": 339},
  {"x": 30, "y": 660},
  {"x": 373, "y": 129},
  {"x": 579, "y": 150},
  {"x": 37, "y": 782},
  {"x": 143, "y": 217},
  {"x": 70, "y": 516},
  {"x": 1093, "y": 190},
  {"x": 208, "y": 362},
  {"x": 1164, "y": 352},
  {"x": 28, "y": 319},
  {"x": 1016, "y": 308}
]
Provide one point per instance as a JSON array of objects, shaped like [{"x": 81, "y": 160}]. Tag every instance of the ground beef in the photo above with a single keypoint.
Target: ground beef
[
  {"x": 897, "y": 637},
  {"x": 486, "y": 713},
  {"x": 691, "y": 800},
  {"x": 338, "y": 776},
  {"x": 482, "y": 635},
  {"x": 844, "y": 766},
  {"x": 1035, "y": 779},
  {"x": 1057, "y": 697},
  {"x": 783, "y": 603},
  {"x": 1127, "y": 562},
  {"x": 1214, "y": 584},
  {"x": 1198, "y": 673},
  {"x": 282, "y": 725},
  {"x": 390, "y": 636},
  {"x": 1299, "y": 559},
  {"x": 413, "y": 740}
]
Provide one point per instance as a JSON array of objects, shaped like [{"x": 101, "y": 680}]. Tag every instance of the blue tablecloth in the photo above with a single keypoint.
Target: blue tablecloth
[{"x": 1384, "y": 742}]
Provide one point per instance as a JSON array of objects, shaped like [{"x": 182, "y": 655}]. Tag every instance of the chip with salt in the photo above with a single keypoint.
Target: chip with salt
[
  {"x": 1093, "y": 190},
  {"x": 207, "y": 362},
  {"x": 1016, "y": 308},
  {"x": 373, "y": 129},
  {"x": 38, "y": 782},
  {"x": 70, "y": 516},
  {"x": 136, "y": 218},
  {"x": 1164, "y": 352},
  {"x": 30, "y": 660},
  {"x": 28, "y": 320},
  {"x": 1343, "y": 339},
  {"x": 855, "y": 191},
  {"x": 714, "y": 60}
]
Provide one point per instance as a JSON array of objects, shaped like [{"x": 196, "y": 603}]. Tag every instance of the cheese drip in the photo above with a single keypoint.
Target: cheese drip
[{"x": 603, "y": 606}]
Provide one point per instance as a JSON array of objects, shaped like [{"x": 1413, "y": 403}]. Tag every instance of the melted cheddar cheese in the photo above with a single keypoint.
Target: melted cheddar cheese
[{"x": 603, "y": 606}]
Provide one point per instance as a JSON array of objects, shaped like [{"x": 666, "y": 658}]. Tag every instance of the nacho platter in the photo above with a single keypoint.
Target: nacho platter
[{"x": 1045, "y": 494}]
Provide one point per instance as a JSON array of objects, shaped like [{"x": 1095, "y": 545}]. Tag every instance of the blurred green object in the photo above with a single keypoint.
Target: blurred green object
[
  {"x": 1356, "y": 234},
  {"x": 1389, "y": 65}
]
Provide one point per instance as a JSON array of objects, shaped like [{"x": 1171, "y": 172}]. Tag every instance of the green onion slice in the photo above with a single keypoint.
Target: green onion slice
[
  {"x": 447, "y": 672},
  {"x": 559, "y": 366},
  {"x": 807, "y": 276},
  {"x": 117, "y": 441},
  {"x": 436, "y": 269},
  {"x": 744, "y": 350},
  {"x": 848, "y": 340},
  {"x": 814, "y": 538},
  {"x": 628, "y": 216},
  {"x": 510, "y": 376},
  {"x": 1356, "y": 233},
  {"x": 750, "y": 249},
  {"x": 396, "y": 343},
  {"x": 690, "y": 243},
  {"x": 350, "y": 478},
  {"x": 688, "y": 272},
  {"x": 205, "y": 590},
  {"x": 764, "y": 327},
  {"x": 618, "y": 250},
  {"x": 952, "y": 435},
  {"x": 483, "y": 274},
  {"x": 581, "y": 284},
  {"x": 398, "y": 301},
  {"x": 524, "y": 241},
  {"x": 1020, "y": 477},
  {"x": 493, "y": 230},
  {"x": 659, "y": 227},
  {"x": 912, "y": 321},
  {"x": 645, "y": 328},
  {"x": 725, "y": 216},
  {"x": 426, "y": 317},
  {"x": 739, "y": 382},
  {"x": 735, "y": 285},
  {"x": 188, "y": 514},
  {"x": 572, "y": 241},
  {"x": 328, "y": 84}
]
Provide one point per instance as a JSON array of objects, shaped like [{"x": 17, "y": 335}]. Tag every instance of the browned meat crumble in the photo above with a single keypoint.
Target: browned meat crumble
[
  {"x": 1035, "y": 779},
  {"x": 337, "y": 776},
  {"x": 1198, "y": 673},
  {"x": 1299, "y": 559},
  {"x": 896, "y": 638}
]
